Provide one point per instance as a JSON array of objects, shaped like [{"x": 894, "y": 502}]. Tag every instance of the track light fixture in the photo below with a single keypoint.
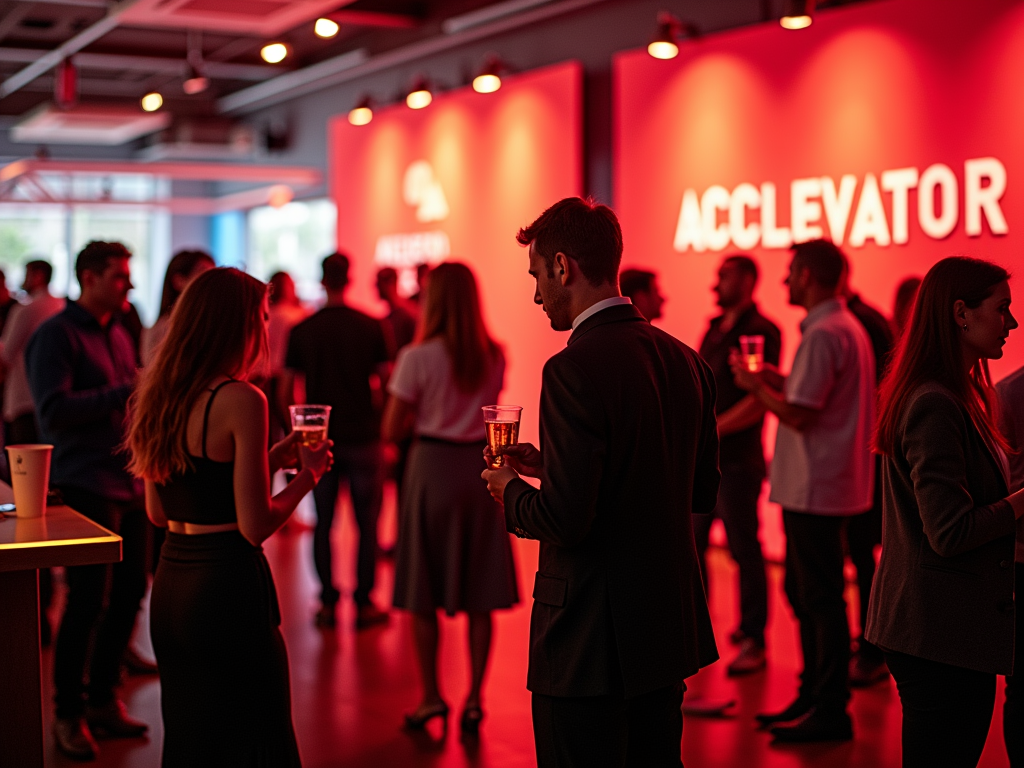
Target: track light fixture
[
  {"x": 195, "y": 82},
  {"x": 151, "y": 102},
  {"x": 489, "y": 78},
  {"x": 419, "y": 95},
  {"x": 361, "y": 113},
  {"x": 665, "y": 43},
  {"x": 325, "y": 28},
  {"x": 797, "y": 14},
  {"x": 274, "y": 53}
]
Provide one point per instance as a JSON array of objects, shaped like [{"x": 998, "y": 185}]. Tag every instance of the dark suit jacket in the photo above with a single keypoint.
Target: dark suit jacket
[
  {"x": 630, "y": 447},
  {"x": 944, "y": 587}
]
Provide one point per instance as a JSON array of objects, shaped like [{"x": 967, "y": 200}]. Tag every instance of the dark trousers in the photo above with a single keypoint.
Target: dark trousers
[
  {"x": 863, "y": 533},
  {"x": 609, "y": 731},
  {"x": 102, "y": 603},
  {"x": 737, "y": 508},
  {"x": 947, "y": 711},
  {"x": 1013, "y": 709},
  {"x": 360, "y": 465},
  {"x": 814, "y": 586}
]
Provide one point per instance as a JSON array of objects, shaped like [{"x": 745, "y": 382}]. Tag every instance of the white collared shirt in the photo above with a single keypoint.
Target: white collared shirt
[{"x": 593, "y": 309}]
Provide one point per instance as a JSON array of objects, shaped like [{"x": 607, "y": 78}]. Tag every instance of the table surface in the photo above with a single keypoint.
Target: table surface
[{"x": 60, "y": 537}]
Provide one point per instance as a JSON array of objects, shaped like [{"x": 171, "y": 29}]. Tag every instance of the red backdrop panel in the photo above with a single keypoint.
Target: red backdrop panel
[
  {"x": 866, "y": 89},
  {"x": 464, "y": 175}
]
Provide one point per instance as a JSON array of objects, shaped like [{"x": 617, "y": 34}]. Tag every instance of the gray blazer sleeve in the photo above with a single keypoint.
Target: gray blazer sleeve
[{"x": 933, "y": 442}]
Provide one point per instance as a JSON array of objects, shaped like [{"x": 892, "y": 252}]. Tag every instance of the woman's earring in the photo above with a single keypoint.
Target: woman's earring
[{"x": 965, "y": 326}]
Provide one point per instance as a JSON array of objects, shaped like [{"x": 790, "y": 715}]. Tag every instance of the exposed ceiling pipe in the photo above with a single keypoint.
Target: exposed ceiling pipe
[
  {"x": 125, "y": 62},
  {"x": 488, "y": 14},
  {"x": 319, "y": 76},
  {"x": 51, "y": 59}
]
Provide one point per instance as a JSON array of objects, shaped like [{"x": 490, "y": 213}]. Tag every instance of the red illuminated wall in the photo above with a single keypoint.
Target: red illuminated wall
[
  {"x": 867, "y": 89},
  {"x": 498, "y": 160}
]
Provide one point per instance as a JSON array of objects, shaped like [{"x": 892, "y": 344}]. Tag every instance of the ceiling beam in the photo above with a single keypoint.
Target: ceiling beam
[
  {"x": 79, "y": 3},
  {"x": 278, "y": 174},
  {"x": 52, "y": 58},
  {"x": 375, "y": 19},
  {"x": 13, "y": 19},
  {"x": 159, "y": 65}
]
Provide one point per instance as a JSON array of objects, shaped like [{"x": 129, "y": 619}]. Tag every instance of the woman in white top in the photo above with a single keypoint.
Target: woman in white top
[{"x": 453, "y": 550}]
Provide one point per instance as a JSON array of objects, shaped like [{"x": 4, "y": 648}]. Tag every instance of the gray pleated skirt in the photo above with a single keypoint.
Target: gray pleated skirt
[{"x": 453, "y": 550}]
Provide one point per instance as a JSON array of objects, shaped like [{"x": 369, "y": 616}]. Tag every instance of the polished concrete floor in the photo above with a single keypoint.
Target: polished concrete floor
[{"x": 349, "y": 689}]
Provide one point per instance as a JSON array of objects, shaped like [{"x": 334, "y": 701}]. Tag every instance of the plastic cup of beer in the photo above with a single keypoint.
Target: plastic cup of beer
[
  {"x": 30, "y": 477},
  {"x": 752, "y": 351},
  {"x": 502, "y": 422},
  {"x": 310, "y": 421}
]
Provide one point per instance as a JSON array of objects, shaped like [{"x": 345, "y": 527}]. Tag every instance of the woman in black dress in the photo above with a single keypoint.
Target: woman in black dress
[{"x": 198, "y": 437}]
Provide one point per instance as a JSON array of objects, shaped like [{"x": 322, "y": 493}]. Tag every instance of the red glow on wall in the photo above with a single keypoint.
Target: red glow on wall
[{"x": 462, "y": 176}]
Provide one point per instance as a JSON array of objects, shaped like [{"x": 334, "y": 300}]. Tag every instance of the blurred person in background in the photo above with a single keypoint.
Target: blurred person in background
[
  {"x": 81, "y": 368},
  {"x": 453, "y": 552},
  {"x": 741, "y": 453},
  {"x": 286, "y": 311},
  {"x": 864, "y": 532},
  {"x": 942, "y": 605},
  {"x": 334, "y": 357},
  {"x": 199, "y": 440},
  {"x": 822, "y": 473},
  {"x": 1010, "y": 392},
  {"x": 641, "y": 287},
  {"x": 20, "y": 424},
  {"x": 7, "y": 302},
  {"x": 422, "y": 278},
  {"x": 183, "y": 267},
  {"x": 906, "y": 295},
  {"x": 401, "y": 318}
]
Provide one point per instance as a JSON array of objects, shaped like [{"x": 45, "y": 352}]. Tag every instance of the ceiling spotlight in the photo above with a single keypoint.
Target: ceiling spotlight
[
  {"x": 151, "y": 102},
  {"x": 797, "y": 14},
  {"x": 420, "y": 95},
  {"x": 361, "y": 113},
  {"x": 489, "y": 79},
  {"x": 665, "y": 43},
  {"x": 325, "y": 28},
  {"x": 274, "y": 53},
  {"x": 195, "y": 83}
]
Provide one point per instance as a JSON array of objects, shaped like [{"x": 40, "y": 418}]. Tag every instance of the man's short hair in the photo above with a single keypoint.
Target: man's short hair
[
  {"x": 335, "y": 269},
  {"x": 634, "y": 281},
  {"x": 43, "y": 268},
  {"x": 387, "y": 275},
  {"x": 745, "y": 264},
  {"x": 585, "y": 231},
  {"x": 823, "y": 259},
  {"x": 96, "y": 256}
]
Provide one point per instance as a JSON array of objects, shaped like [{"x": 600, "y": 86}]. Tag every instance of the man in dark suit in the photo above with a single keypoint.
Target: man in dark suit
[{"x": 630, "y": 450}]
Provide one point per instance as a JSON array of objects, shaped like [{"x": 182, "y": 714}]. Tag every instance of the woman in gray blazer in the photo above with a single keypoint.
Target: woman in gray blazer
[{"x": 942, "y": 606}]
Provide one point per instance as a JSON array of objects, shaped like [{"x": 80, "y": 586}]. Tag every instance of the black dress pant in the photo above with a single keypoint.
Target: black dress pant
[
  {"x": 1013, "y": 709},
  {"x": 947, "y": 711},
  {"x": 102, "y": 603},
  {"x": 863, "y": 533},
  {"x": 609, "y": 731},
  {"x": 814, "y": 586},
  {"x": 737, "y": 508}
]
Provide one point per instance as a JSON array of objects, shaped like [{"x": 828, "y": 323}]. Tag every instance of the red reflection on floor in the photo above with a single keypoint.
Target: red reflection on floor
[{"x": 350, "y": 689}]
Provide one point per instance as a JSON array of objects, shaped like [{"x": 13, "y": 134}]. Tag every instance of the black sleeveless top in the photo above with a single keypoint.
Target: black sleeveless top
[{"x": 204, "y": 495}]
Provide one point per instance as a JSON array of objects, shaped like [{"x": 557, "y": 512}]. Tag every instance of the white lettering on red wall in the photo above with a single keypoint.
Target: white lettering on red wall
[{"x": 851, "y": 211}]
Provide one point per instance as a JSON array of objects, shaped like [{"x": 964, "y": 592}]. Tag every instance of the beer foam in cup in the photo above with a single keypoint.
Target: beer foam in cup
[{"x": 30, "y": 476}]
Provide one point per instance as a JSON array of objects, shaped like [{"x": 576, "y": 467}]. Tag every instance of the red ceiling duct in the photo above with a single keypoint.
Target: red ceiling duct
[{"x": 65, "y": 85}]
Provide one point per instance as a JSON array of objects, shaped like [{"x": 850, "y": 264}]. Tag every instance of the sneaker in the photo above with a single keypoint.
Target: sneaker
[
  {"x": 866, "y": 671},
  {"x": 370, "y": 616},
  {"x": 751, "y": 658},
  {"x": 74, "y": 739},
  {"x": 112, "y": 721}
]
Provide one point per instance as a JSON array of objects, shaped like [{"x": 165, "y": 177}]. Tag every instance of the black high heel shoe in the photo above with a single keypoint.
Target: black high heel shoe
[
  {"x": 471, "y": 717},
  {"x": 417, "y": 721}
]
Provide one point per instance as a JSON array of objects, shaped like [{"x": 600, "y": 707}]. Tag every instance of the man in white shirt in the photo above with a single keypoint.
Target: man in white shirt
[
  {"x": 822, "y": 472},
  {"x": 18, "y": 409}
]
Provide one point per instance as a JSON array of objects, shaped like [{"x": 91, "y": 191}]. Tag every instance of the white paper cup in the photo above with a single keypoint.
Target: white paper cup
[{"x": 30, "y": 476}]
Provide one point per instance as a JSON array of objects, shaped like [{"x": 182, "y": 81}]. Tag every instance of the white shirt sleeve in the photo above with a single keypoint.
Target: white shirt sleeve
[
  {"x": 814, "y": 371},
  {"x": 406, "y": 380}
]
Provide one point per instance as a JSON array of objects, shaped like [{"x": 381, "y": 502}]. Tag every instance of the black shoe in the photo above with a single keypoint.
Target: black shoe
[
  {"x": 326, "y": 617},
  {"x": 136, "y": 664},
  {"x": 816, "y": 726},
  {"x": 417, "y": 721},
  {"x": 74, "y": 739},
  {"x": 112, "y": 721},
  {"x": 370, "y": 616},
  {"x": 471, "y": 717},
  {"x": 796, "y": 710},
  {"x": 865, "y": 670}
]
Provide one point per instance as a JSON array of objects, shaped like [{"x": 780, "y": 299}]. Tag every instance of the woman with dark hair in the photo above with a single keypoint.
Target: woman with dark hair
[
  {"x": 453, "y": 551},
  {"x": 198, "y": 437},
  {"x": 942, "y": 605},
  {"x": 183, "y": 268}
]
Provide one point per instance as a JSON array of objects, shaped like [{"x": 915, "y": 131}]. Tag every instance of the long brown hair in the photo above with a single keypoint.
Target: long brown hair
[
  {"x": 216, "y": 329},
  {"x": 451, "y": 311},
  {"x": 182, "y": 264},
  {"x": 931, "y": 350}
]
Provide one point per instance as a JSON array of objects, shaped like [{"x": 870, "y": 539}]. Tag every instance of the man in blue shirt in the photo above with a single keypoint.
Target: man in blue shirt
[{"x": 81, "y": 369}]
